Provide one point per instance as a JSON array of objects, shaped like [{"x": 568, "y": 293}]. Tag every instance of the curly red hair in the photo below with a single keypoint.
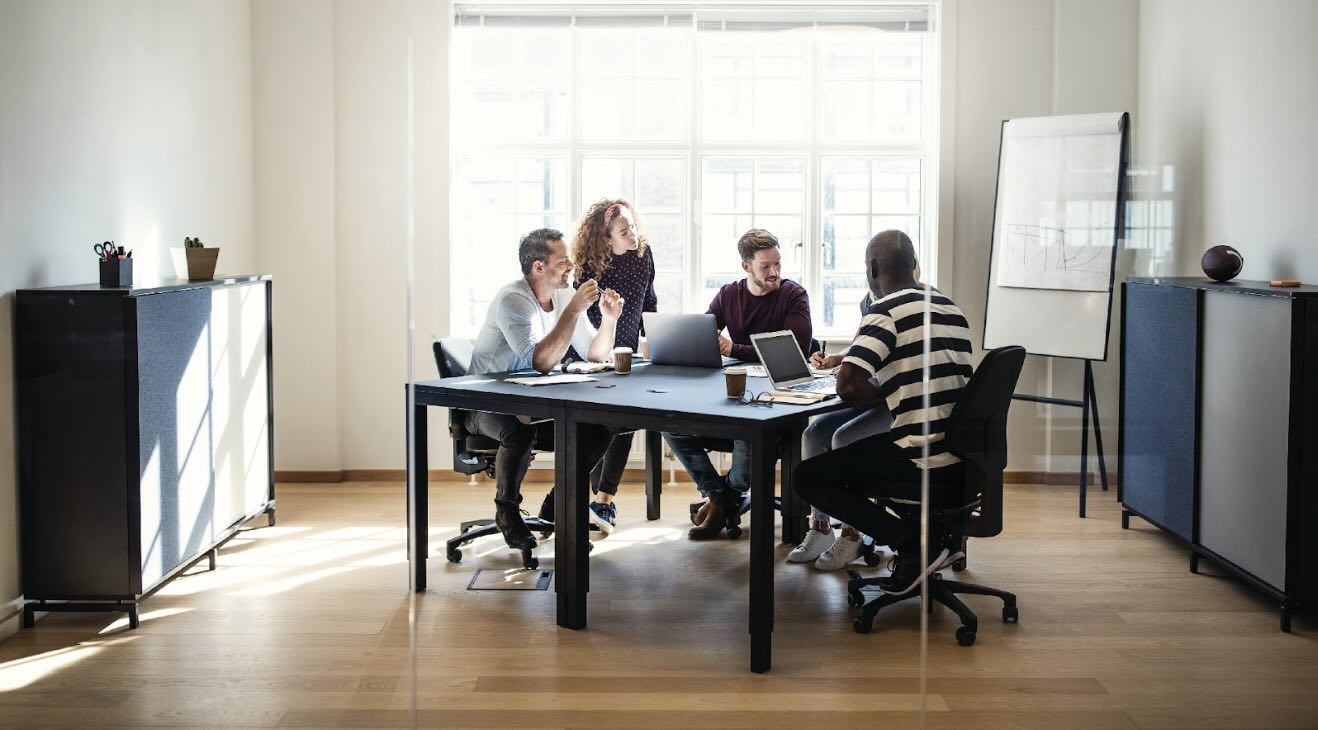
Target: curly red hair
[{"x": 590, "y": 243}]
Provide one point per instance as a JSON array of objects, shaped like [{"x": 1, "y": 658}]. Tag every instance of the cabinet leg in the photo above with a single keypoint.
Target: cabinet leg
[
  {"x": 29, "y": 616},
  {"x": 132, "y": 616},
  {"x": 210, "y": 557},
  {"x": 270, "y": 517},
  {"x": 1285, "y": 618},
  {"x": 1194, "y": 562},
  {"x": 1125, "y": 520}
]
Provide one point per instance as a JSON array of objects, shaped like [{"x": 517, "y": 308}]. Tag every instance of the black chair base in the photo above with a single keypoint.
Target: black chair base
[
  {"x": 473, "y": 529},
  {"x": 940, "y": 591}
]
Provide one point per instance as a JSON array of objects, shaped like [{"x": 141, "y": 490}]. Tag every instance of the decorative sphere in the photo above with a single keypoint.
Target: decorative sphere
[{"x": 1222, "y": 263}]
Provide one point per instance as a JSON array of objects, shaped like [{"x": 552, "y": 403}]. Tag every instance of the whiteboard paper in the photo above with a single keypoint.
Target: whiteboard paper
[{"x": 1054, "y": 234}]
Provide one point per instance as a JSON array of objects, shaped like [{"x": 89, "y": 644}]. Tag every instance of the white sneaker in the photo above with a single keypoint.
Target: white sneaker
[
  {"x": 814, "y": 545},
  {"x": 840, "y": 554}
]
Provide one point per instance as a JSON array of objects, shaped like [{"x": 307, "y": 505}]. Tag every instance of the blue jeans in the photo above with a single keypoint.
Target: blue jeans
[
  {"x": 690, "y": 450},
  {"x": 837, "y": 429}
]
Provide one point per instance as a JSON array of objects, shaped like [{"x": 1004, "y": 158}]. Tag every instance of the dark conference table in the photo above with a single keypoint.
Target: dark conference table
[{"x": 653, "y": 397}]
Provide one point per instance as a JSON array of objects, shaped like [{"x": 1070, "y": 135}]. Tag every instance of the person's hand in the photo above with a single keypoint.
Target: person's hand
[
  {"x": 820, "y": 361},
  {"x": 587, "y": 293},
  {"x": 724, "y": 346},
  {"x": 610, "y": 305}
]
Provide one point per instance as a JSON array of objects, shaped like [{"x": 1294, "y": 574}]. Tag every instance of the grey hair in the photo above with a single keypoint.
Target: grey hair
[{"x": 535, "y": 247}]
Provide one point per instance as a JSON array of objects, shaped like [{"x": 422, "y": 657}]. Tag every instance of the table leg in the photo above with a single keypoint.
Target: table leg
[
  {"x": 571, "y": 528},
  {"x": 763, "y": 456},
  {"x": 418, "y": 496},
  {"x": 795, "y": 511},
  {"x": 653, "y": 467}
]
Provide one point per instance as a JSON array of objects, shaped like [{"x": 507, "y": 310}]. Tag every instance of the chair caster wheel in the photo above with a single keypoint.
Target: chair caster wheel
[
  {"x": 1010, "y": 615},
  {"x": 964, "y": 636},
  {"x": 528, "y": 561},
  {"x": 545, "y": 535},
  {"x": 455, "y": 556},
  {"x": 862, "y": 625},
  {"x": 734, "y": 532},
  {"x": 872, "y": 559},
  {"x": 855, "y": 600}
]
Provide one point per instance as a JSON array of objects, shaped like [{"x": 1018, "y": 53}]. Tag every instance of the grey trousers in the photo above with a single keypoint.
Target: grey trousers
[{"x": 837, "y": 429}]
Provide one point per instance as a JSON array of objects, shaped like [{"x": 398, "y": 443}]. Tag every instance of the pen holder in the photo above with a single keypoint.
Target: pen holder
[{"x": 117, "y": 273}]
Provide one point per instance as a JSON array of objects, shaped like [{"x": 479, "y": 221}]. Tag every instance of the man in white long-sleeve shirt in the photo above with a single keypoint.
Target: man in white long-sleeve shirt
[{"x": 534, "y": 322}]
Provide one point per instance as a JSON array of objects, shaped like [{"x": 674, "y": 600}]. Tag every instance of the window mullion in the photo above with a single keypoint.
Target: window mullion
[
  {"x": 811, "y": 227},
  {"x": 575, "y": 100},
  {"x": 695, "y": 170}
]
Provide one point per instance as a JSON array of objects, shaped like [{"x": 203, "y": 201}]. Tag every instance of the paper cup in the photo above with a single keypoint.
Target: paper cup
[
  {"x": 622, "y": 360},
  {"x": 735, "y": 379}
]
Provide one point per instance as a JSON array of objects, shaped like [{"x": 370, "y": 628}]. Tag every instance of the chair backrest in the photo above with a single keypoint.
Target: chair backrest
[
  {"x": 452, "y": 356},
  {"x": 977, "y": 433}
]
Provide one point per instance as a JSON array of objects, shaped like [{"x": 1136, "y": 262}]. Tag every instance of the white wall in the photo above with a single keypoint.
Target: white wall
[
  {"x": 1021, "y": 58},
  {"x": 294, "y": 169},
  {"x": 129, "y": 121},
  {"x": 1193, "y": 76},
  {"x": 1229, "y": 95}
]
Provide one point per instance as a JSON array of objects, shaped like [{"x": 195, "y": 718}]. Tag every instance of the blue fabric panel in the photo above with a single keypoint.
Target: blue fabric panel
[
  {"x": 177, "y": 484},
  {"x": 1159, "y": 408}
]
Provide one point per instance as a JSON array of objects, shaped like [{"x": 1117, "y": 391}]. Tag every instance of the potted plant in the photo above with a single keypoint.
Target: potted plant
[{"x": 194, "y": 261}]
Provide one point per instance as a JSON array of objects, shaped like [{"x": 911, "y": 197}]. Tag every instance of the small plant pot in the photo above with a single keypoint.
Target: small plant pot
[{"x": 195, "y": 264}]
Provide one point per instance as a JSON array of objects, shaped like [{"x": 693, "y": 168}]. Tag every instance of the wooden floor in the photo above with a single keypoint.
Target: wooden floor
[{"x": 310, "y": 624}]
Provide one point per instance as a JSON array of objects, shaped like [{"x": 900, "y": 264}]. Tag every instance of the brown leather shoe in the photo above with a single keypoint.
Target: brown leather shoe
[
  {"x": 710, "y": 527},
  {"x": 699, "y": 515}
]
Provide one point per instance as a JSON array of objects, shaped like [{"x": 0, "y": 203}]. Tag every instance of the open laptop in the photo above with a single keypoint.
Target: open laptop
[
  {"x": 787, "y": 367},
  {"x": 683, "y": 339}
]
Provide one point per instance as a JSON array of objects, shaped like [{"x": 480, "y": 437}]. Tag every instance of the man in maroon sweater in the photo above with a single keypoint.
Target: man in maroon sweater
[{"x": 761, "y": 302}]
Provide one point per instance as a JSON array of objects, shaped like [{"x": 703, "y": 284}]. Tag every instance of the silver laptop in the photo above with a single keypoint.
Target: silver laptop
[
  {"x": 787, "y": 367},
  {"x": 683, "y": 339}
]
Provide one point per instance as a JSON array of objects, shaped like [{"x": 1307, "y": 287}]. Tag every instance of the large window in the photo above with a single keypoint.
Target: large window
[{"x": 816, "y": 122}]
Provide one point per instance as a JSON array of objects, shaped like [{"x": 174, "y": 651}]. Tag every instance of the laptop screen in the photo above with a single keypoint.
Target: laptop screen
[{"x": 782, "y": 357}]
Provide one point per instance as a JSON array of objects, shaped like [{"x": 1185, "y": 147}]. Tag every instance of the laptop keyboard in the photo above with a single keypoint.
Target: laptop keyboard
[{"x": 816, "y": 385}]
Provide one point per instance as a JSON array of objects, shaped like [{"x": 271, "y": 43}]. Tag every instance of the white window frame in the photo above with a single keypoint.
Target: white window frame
[{"x": 695, "y": 150}]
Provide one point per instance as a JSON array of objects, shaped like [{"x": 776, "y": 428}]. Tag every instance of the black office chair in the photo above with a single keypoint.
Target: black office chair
[
  {"x": 473, "y": 454},
  {"x": 977, "y": 433}
]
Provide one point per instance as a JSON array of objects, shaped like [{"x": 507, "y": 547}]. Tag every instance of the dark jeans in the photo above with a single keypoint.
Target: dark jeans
[
  {"x": 607, "y": 474},
  {"x": 690, "y": 450},
  {"x": 843, "y": 482},
  {"x": 517, "y": 439}
]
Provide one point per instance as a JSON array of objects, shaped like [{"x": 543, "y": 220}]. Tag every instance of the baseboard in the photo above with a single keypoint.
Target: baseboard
[
  {"x": 308, "y": 476},
  {"x": 1052, "y": 478},
  {"x": 11, "y": 617},
  {"x": 546, "y": 476}
]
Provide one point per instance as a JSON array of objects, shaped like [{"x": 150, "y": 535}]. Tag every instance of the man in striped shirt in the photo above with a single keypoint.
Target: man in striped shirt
[{"x": 886, "y": 362}]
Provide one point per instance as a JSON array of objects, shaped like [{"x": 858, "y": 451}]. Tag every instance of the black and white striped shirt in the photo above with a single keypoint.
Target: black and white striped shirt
[{"x": 890, "y": 346}]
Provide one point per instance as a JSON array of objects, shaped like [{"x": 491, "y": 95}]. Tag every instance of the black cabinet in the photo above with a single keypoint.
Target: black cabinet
[
  {"x": 1219, "y": 424},
  {"x": 144, "y": 433}
]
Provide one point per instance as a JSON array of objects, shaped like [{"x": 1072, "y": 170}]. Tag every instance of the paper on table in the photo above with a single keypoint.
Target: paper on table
[
  {"x": 550, "y": 379},
  {"x": 796, "y": 398},
  {"x": 588, "y": 367},
  {"x": 756, "y": 371}
]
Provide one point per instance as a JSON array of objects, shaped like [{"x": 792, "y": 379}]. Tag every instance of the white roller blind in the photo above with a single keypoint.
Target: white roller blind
[{"x": 708, "y": 17}]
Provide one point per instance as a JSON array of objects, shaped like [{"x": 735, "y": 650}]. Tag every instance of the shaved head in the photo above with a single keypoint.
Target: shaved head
[{"x": 889, "y": 262}]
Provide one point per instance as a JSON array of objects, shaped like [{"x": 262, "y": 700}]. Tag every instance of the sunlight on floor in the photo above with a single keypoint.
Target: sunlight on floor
[
  {"x": 19, "y": 673},
  {"x": 122, "y": 622}
]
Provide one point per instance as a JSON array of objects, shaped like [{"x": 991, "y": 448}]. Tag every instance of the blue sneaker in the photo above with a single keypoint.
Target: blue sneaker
[{"x": 604, "y": 516}]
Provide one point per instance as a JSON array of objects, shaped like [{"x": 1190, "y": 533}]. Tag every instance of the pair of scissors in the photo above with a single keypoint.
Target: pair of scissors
[{"x": 104, "y": 250}]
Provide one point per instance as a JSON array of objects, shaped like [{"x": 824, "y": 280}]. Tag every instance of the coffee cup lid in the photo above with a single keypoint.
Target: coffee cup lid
[
  {"x": 622, "y": 349},
  {"x": 734, "y": 370}
]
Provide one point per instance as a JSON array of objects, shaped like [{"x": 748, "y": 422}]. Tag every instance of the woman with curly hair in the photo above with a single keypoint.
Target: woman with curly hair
[{"x": 609, "y": 247}]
